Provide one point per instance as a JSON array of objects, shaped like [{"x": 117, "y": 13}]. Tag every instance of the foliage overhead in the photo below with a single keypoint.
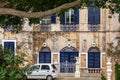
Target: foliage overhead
[
  {"x": 10, "y": 66},
  {"x": 37, "y": 9}
]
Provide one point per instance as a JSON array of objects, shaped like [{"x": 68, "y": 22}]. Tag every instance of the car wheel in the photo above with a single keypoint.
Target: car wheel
[
  {"x": 24, "y": 77},
  {"x": 49, "y": 78}
]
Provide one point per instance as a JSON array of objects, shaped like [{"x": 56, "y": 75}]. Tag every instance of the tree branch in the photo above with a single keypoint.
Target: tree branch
[
  {"x": 2, "y": 4},
  {"x": 38, "y": 14}
]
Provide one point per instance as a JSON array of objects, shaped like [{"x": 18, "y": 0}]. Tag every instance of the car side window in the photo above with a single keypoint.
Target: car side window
[
  {"x": 45, "y": 67},
  {"x": 34, "y": 68}
]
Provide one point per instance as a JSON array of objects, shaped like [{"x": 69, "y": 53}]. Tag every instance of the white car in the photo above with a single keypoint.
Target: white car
[{"x": 42, "y": 71}]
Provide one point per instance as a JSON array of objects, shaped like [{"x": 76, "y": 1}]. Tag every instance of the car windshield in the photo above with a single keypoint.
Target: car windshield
[{"x": 54, "y": 67}]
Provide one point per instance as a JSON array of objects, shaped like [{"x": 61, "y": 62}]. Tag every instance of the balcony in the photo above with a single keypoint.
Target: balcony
[
  {"x": 93, "y": 27},
  {"x": 90, "y": 72},
  {"x": 45, "y": 27},
  {"x": 69, "y": 27}
]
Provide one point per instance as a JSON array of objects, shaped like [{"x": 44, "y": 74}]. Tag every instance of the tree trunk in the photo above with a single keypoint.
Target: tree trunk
[{"x": 38, "y": 14}]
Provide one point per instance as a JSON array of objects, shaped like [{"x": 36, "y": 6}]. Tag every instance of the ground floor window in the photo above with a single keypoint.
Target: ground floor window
[
  {"x": 45, "y": 55},
  {"x": 94, "y": 58},
  {"x": 9, "y": 45}
]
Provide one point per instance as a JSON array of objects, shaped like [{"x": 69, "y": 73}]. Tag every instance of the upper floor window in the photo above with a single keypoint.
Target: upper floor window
[
  {"x": 45, "y": 24},
  {"x": 69, "y": 17},
  {"x": 49, "y": 20},
  {"x": 45, "y": 20},
  {"x": 69, "y": 20},
  {"x": 93, "y": 19}
]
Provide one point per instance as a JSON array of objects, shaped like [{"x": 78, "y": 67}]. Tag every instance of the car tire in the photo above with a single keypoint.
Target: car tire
[
  {"x": 49, "y": 78},
  {"x": 24, "y": 77}
]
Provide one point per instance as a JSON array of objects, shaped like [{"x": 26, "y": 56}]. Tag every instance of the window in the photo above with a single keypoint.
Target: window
[
  {"x": 69, "y": 20},
  {"x": 69, "y": 17},
  {"x": 45, "y": 20},
  {"x": 93, "y": 19},
  {"x": 45, "y": 67},
  {"x": 9, "y": 45},
  {"x": 45, "y": 24},
  {"x": 35, "y": 68}
]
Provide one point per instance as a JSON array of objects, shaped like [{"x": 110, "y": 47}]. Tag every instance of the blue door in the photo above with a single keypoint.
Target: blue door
[
  {"x": 44, "y": 57},
  {"x": 93, "y": 59},
  {"x": 67, "y": 62},
  {"x": 68, "y": 56}
]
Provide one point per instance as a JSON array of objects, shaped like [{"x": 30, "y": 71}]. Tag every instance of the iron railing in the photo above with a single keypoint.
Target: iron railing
[{"x": 69, "y": 27}]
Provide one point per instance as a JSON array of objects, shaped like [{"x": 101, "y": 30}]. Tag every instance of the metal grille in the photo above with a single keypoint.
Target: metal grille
[
  {"x": 94, "y": 27},
  {"x": 71, "y": 27},
  {"x": 45, "y": 28},
  {"x": 67, "y": 67}
]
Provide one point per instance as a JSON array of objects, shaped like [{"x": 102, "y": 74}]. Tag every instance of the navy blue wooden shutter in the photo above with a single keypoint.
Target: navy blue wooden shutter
[
  {"x": 93, "y": 59},
  {"x": 10, "y": 46},
  {"x": 97, "y": 15},
  {"x": 76, "y": 16},
  {"x": 72, "y": 56},
  {"x": 97, "y": 60},
  {"x": 68, "y": 56},
  {"x": 62, "y": 18},
  {"x": 44, "y": 57},
  {"x": 91, "y": 16},
  {"x": 90, "y": 60},
  {"x": 53, "y": 18}
]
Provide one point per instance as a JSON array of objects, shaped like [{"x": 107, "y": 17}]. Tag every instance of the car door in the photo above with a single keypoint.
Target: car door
[
  {"x": 33, "y": 72},
  {"x": 45, "y": 70}
]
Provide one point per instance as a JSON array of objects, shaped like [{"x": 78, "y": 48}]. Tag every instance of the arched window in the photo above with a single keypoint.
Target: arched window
[
  {"x": 94, "y": 57},
  {"x": 45, "y": 55}
]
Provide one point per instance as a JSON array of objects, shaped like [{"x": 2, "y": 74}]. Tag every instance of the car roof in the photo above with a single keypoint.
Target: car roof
[{"x": 43, "y": 64}]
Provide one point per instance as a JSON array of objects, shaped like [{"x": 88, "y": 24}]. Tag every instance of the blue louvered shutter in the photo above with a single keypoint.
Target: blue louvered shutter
[
  {"x": 97, "y": 15},
  {"x": 93, "y": 59},
  {"x": 91, "y": 16},
  {"x": 53, "y": 18},
  {"x": 6, "y": 45},
  {"x": 97, "y": 60},
  {"x": 90, "y": 60},
  {"x": 76, "y": 16},
  {"x": 62, "y": 19},
  {"x": 9, "y": 46},
  {"x": 44, "y": 57}
]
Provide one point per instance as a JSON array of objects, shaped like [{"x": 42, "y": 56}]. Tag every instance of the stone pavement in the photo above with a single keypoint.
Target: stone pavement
[
  {"x": 82, "y": 78},
  {"x": 68, "y": 78}
]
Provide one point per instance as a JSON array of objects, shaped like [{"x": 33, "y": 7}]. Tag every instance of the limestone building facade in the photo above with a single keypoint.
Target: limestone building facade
[{"x": 83, "y": 33}]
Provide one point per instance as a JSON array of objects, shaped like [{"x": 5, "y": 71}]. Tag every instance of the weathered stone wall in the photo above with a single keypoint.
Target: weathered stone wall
[
  {"x": 31, "y": 39},
  {"x": 24, "y": 43}
]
